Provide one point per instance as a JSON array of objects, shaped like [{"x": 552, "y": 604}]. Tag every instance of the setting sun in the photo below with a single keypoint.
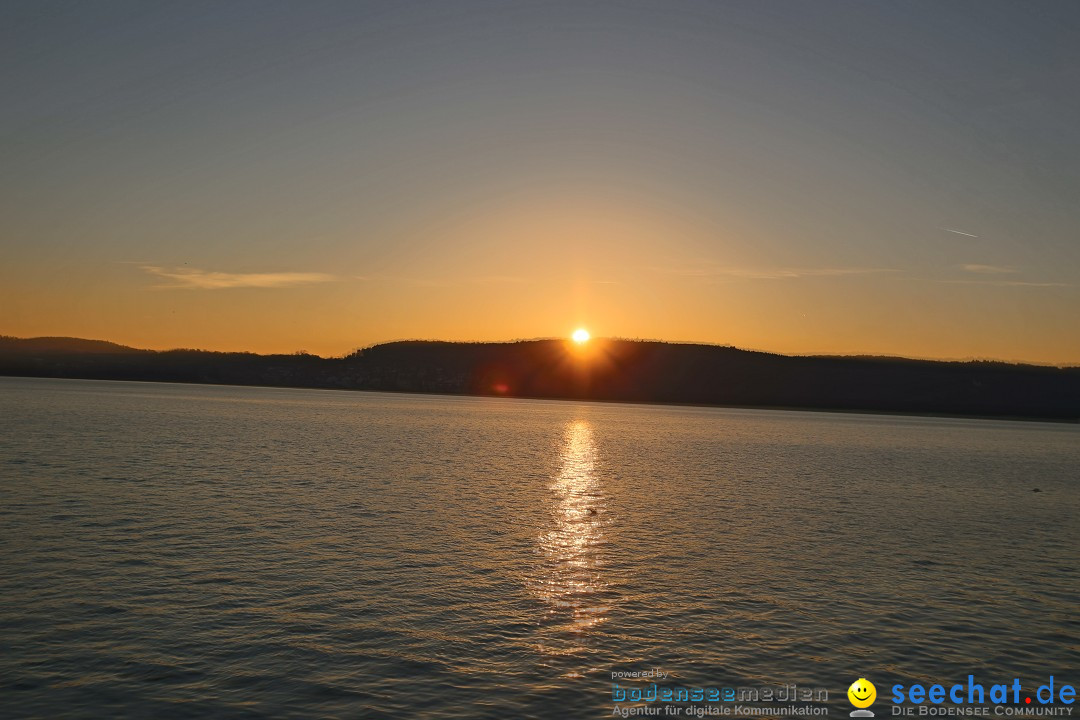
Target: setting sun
[{"x": 581, "y": 335}]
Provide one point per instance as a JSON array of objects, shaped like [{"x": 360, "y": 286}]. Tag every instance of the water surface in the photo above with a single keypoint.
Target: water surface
[{"x": 195, "y": 551}]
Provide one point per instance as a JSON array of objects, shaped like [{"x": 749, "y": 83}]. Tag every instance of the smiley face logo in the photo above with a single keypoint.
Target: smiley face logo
[{"x": 862, "y": 693}]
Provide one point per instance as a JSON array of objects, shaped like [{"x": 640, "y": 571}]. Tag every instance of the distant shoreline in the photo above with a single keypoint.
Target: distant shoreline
[
  {"x": 623, "y": 371},
  {"x": 644, "y": 403}
]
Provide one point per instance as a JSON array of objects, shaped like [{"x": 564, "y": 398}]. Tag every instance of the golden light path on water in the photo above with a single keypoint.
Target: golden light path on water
[{"x": 570, "y": 578}]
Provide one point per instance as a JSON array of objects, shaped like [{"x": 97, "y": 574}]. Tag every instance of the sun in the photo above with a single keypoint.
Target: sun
[{"x": 581, "y": 335}]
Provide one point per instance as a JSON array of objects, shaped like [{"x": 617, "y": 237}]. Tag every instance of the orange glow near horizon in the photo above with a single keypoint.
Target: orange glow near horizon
[{"x": 461, "y": 281}]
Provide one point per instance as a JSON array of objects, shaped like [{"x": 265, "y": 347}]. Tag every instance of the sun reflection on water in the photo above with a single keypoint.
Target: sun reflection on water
[{"x": 570, "y": 578}]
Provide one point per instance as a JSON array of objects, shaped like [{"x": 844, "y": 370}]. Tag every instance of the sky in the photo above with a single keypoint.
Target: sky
[{"x": 801, "y": 177}]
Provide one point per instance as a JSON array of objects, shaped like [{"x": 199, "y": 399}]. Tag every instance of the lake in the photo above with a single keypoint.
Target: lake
[{"x": 173, "y": 551}]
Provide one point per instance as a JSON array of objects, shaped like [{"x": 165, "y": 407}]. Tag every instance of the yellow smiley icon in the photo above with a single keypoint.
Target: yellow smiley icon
[{"x": 862, "y": 693}]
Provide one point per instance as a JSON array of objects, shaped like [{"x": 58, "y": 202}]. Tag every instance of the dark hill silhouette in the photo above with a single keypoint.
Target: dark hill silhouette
[
  {"x": 10, "y": 344},
  {"x": 610, "y": 370}
]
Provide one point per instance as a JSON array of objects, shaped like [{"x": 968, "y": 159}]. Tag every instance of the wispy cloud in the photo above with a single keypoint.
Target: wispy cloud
[
  {"x": 498, "y": 280},
  {"x": 1007, "y": 283},
  {"x": 456, "y": 281},
  {"x": 988, "y": 269},
  {"x": 194, "y": 279},
  {"x": 960, "y": 232},
  {"x": 775, "y": 273}
]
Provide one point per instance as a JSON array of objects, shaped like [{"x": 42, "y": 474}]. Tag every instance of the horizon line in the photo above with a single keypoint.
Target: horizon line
[{"x": 852, "y": 355}]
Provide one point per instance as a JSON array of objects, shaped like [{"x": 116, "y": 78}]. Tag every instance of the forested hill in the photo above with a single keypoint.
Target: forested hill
[{"x": 614, "y": 370}]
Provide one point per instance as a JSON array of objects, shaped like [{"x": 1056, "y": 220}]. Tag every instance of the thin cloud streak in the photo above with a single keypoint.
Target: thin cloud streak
[
  {"x": 1006, "y": 283},
  {"x": 960, "y": 232},
  {"x": 460, "y": 281},
  {"x": 987, "y": 269},
  {"x": 498, "y": 280},
  {"x": 775, "y": 273},
  {"x": 195, "y": 279}
]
